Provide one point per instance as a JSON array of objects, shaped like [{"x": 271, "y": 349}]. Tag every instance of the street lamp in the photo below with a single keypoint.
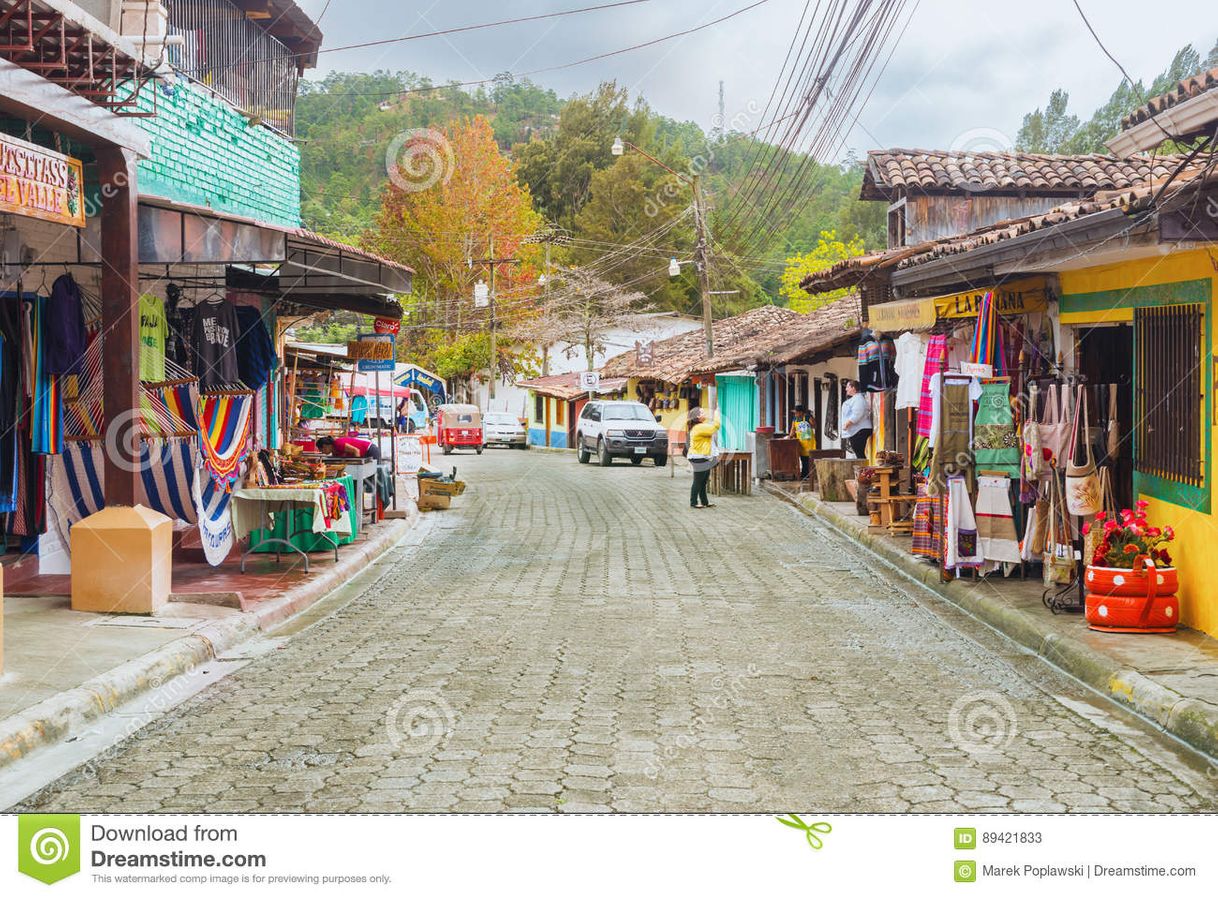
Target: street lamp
[{"x": 701, "y": 251}]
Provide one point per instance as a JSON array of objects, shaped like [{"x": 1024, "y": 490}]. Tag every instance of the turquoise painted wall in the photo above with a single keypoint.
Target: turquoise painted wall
[{"x": 206, "y": 153}]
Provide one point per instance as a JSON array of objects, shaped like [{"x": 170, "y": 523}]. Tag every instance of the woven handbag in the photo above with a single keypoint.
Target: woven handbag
[
  {"x": 1083, "y": 494},
  {"x": 1059, "y": 568},
  {"x": 1054, "y": 427}
]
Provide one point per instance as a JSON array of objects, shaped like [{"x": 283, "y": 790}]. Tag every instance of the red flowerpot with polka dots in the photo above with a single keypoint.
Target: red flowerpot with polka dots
[{"x": 1141, "y": 599}]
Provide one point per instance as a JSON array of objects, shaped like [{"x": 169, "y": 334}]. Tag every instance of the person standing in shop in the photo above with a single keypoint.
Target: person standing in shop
[
  {"x": 803, "y": 428},
  {"x": 701, "y": 455},
  {"x": 856, "y": 419}
]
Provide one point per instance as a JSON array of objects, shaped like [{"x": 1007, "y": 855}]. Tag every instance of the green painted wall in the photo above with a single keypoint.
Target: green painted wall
[{"x": 206, "y": 153}]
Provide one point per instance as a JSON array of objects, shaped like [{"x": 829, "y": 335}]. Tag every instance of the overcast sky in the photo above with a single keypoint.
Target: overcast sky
[{"x": 963, "y": 74}]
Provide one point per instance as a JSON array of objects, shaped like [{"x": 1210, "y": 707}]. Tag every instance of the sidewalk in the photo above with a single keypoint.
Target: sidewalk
[
  {"x": 1172, "y": 679},
  {"x": 63, "y": 669}
]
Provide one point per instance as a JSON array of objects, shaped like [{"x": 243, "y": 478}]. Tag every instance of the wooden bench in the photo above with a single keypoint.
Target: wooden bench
[{"x": 733, "y": 474}]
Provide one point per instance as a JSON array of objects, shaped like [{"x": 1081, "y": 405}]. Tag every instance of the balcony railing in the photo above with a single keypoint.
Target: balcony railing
[{"x": 233, "y": 56}]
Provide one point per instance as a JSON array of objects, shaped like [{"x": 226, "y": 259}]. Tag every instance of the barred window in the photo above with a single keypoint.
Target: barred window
[
  {"x": 1169, "y": 392},
  {"x": 539, "y": 409}
]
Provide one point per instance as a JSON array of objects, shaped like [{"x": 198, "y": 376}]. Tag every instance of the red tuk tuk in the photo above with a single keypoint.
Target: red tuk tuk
[{"x": 459, "y": 427}]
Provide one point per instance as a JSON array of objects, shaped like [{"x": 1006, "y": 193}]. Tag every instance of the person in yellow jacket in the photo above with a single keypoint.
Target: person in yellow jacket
[
  {"x": 701, "y": 455},
  {"x": 803, "y": 428}
]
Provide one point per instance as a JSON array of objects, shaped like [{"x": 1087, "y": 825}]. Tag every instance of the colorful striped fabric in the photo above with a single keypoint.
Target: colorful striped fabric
[
  {"x": 224, "y": 434},
  {"x": 175, "y": 409},
  {"x": 46, "y": 420},
  {"x": 215, "y": 523},
  {"x": 936, "y": 358},
  {"x": 167, "y": 474}
]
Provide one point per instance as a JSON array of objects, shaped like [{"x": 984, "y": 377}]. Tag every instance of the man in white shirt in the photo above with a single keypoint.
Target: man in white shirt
[{"x": 856, "y": 419}]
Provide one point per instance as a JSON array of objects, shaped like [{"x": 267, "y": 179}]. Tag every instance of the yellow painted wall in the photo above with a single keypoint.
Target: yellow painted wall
[
  {"x": 1196, "y": 531},
  {"x": 672, "y": 419}
]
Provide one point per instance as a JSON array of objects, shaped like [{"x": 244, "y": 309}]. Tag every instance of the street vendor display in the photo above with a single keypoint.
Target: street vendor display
[{"x": 259, "y": 508}]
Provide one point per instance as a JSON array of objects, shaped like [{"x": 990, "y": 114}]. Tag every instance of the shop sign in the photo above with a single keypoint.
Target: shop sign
[
  {"x": 40, "y": 183},
  {"x": 903, "y": 315},
  {"x": 386, "y": 325},
  {"x": 1015, "y": 298},
  {"x": 372, "y": 352}
]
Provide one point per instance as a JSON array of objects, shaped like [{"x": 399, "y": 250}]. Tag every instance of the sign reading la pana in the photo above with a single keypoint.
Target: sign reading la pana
[{"x": 40, "y": 183}]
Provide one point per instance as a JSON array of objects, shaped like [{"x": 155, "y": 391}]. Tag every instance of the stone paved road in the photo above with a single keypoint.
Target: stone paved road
[{"x": 575, "y": 638}]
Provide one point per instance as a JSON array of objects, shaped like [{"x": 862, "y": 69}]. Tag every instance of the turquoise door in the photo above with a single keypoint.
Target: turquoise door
[{"x": 737, "y": 410}]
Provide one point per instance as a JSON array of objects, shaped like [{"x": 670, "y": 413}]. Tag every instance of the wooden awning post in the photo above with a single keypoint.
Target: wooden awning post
[{"x": 120, "y": 281}]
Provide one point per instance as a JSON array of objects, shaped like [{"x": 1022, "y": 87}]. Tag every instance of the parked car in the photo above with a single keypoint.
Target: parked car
[
  {"x": 619, "y": 429},
  {"x": 503, "y": 429}
]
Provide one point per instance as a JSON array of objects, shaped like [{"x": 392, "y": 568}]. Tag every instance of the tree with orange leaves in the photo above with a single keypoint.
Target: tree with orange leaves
[{"x": 450, "y": 192}]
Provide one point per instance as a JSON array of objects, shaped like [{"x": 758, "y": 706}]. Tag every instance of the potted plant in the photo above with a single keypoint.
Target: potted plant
[{"x": 1131, "y": 583}]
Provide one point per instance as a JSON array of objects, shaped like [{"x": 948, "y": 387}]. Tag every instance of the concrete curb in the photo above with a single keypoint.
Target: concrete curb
[
  {"x": 57, "y": 717},
  {"x": 1190, "y": 720}
]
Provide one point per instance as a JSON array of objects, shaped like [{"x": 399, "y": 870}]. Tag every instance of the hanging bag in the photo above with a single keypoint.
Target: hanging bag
[
  {"x": 1059, "y": 551},
  {"x": 1054, "y": 427},
  {"x": 1095, "y": 534},
  {"x": 1083, "y": 494},
  {"x": 1113, "y": 444}
]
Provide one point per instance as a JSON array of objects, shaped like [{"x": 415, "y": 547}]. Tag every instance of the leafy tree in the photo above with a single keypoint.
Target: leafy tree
[
  {"x": 1048, "y": 131},
  {"x": 827, "y": 252},
  {"x": 437, "y": 230}
]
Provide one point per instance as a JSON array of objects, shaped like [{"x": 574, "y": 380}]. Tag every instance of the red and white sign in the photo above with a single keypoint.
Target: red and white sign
[{"x": 386, "y": 326}]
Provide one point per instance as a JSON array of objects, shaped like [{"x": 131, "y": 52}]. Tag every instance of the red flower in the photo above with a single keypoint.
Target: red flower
[
  {"x": 1168, "y": 532},
  {"x": 1101, "y": 515},
  {"x": 1165, "y": 557},
  {"x": 1127, "y": 516},
  {"x": 1086, "y": 529},
  {"x": 1109, "y": 527},
  {"x": 1131, "y": 550},
  {"x": 1142, "y": 503}
]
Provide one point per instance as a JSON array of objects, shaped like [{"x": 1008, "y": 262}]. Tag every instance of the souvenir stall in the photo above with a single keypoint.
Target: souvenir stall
[{"x": 961, "y": 363}]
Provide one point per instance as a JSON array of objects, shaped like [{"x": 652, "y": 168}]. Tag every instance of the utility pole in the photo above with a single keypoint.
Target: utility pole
[
  {"x": 702, "y": 260},
  {"x": 493, "y": 263}
]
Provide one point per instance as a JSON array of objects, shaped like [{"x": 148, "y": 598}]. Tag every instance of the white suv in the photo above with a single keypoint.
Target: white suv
[{"x": 615, "y": 429}]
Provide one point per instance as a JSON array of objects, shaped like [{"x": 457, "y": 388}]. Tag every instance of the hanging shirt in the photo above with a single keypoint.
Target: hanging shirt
[
  {"x": 64, "y": 328},
  {"x": 153, "y": 331},
  {"x": 256, "y": 357},
  {"x": 910, "y": 363},
  {"x": 888, "y": 363},
  {"x": 869, "y": 365},
  {"x": 213, "y": 340}
]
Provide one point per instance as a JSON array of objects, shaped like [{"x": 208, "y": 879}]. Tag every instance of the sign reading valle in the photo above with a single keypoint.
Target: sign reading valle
[{"x": 40, "y": 183}]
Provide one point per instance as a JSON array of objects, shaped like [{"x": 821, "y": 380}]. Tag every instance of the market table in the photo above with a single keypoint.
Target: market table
[{"x": 292, "y": 518}]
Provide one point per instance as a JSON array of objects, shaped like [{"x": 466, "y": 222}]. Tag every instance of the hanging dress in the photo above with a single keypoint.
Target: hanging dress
[{"x": 995, "y": 443}]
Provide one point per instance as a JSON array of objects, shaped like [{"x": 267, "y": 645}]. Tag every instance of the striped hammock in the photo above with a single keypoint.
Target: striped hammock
[
  {"x": 215, "y": 523},
  {"x": 224, "y": 435}
]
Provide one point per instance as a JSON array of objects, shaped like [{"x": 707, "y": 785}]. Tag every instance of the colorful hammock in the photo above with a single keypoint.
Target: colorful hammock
[
  {"x": 167, "y": 472},
  {"x": 78, "y": 481},
  {"x": 224, "y": 435},
  {"x": 175, "y": 409},
  {"x": 215, "y": 523}
]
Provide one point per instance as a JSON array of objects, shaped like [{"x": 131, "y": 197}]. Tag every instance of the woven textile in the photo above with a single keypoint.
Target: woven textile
[
  {"x": 996, "y": 536},
  {"x": 167, "y": 474},
  {"x": 224, "y": 435},
  {"x": 953, "y": 449},
  {"x": 936, "y": 358},
  {"x": 962, "y": 549},
  {"x": 928, "y": 527},
  {"x": 215, "y": 523}
]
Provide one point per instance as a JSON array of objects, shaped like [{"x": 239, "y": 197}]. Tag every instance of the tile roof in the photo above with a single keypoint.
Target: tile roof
[
  {"x": 1135, "y": 200},
  {"x": 742, "y": 340},
  {"x": 566, "y": 386},
  {"x": 1184, "y": 90},
  {"x": 894, "y": 171}
]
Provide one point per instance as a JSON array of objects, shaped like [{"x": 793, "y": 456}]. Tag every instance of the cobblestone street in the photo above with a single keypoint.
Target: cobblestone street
[{"x": 572, "y": 638}]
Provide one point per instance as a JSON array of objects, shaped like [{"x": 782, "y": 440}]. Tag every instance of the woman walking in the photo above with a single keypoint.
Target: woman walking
[
  {"x": 701, "y": 455},
  {"x": 856, "y": 419}
]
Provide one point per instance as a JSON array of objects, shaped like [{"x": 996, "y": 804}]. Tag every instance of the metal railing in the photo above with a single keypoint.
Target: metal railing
[{"x": 236, "y": 58}]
